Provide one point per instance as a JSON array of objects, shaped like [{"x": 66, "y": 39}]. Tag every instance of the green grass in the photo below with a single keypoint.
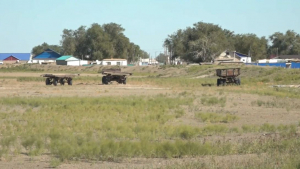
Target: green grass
[
  {"x": 216, "y": 117},
  {"x": 109, "y": 128},
  {"x": 210, "y": 101},
  {"x": 112, "y": 128},
  {"x": 290, "y": 104}
]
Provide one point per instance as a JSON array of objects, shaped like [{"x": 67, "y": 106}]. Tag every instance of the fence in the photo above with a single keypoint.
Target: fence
[
  {"x": 295, "y": 65},
  {"x": 268, "y": 64}
]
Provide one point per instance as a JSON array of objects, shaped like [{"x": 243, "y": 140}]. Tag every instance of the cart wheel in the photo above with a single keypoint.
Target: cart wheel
[
  {"x": 238, "y": 81},
  {"x": 55, "y": 82},
  {"x": 223, "y": 82},
  {"x": 48, "y": 81},
  {"x": 124, "y": 81},
  {"x": 62, "y": 82},
  {"x": 104, "y": 80},
  {"x": 218, "y": 82},
  {"x": 70, "y": 82}
]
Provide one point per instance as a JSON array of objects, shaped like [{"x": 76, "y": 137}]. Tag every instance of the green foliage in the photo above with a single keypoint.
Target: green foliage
[
  {"x": 55, "y": 162},
  {"x": 277, "y": 103},
  {"x": 41, "y": 48},
  {"x": 209, "y": 101},
  {"x": 21, "y": 68},
  {"x": 161, "y": 58},
  {"x": 285, "y": 44},
  {"x": 97, "y": 41},
  {"x": 251, "y": 44},
  {"x": 202, "y": 42}
]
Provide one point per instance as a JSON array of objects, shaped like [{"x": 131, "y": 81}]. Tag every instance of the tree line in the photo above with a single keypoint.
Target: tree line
[
  {"x": 201, "y": 42},
  {"x": 206, "y": 41},
  {"x": 96, "y": 43}
]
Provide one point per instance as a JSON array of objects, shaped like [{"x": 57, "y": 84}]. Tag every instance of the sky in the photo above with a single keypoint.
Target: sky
[{"x": 147, "y": 23}]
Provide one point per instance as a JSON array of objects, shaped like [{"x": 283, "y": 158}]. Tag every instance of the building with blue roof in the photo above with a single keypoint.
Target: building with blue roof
[
  {"x": 234, "y": 56},
  {"x": 48, "y": 56}
]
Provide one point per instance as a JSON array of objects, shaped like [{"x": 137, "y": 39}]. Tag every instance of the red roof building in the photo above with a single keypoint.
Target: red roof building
[{"x": 11, "y": 58}]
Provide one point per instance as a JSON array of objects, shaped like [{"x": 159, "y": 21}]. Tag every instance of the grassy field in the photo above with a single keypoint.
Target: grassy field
[{"x": 254, "y": 125}]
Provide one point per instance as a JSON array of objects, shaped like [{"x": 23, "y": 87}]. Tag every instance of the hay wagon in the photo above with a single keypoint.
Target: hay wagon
[
  {"x": 228, "y": 76},
  {"x": 110, "y": 75},
  {"x": 62, "y": 79}
]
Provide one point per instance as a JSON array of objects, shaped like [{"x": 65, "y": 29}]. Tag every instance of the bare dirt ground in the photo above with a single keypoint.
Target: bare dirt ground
[{"x": 239, "y": 104}]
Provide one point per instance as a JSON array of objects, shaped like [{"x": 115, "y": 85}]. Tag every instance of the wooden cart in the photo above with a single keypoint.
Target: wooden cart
[
  {"x": 228, "y": 76},
  {"x": 110, "y": 75},
  {"x": 62, "y": 79}
]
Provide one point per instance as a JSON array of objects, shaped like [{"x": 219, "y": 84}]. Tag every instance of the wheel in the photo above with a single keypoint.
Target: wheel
[
  {"x": 62, "y": 82},
  {"x": 124, "y": 81},
  {"x": 55, "y": 82},
  {"x": 238, "y": 81},
  {"x": 223, "y": 82},
  {"x": 104, "y": 80},
  {"x": 70, "y": 82},
  {"x": 218, "y": 82},
  {"x": 48, "y": 81}
]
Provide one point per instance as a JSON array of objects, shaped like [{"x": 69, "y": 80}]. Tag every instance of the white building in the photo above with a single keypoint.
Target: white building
[
  {"x": 118, "y": 62},
  {"x": 148, "y": 61},
  {"x": 70, "y": 61},
  {"x": 271, "y": 61}
]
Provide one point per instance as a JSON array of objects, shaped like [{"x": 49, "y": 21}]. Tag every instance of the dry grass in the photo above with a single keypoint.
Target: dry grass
[{"x": 185, "y": 120}]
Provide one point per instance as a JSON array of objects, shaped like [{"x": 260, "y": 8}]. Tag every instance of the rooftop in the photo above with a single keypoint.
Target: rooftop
[{"x": 20, "y": 56}]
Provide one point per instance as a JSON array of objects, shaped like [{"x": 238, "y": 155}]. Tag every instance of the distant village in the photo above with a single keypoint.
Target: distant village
[{"x": 227, "y": 57}]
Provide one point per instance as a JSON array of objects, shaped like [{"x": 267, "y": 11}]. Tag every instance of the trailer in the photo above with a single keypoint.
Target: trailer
[
  {"x": 110, "y": 75},
  {"x": 62, "y": 79},
  {"x": 228, "y": 76}
]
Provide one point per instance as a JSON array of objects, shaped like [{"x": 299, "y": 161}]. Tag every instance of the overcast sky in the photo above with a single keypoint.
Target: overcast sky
[{"x": 28, "y": 23}]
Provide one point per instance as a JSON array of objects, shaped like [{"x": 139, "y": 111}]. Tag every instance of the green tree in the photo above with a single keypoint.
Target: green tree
[
  {"x": 68, "y": 42},
  {"x": 202, "y": 42},
  {"x": 161, "y": 58},
  {"x": 98, "y": 41},
  {"x": 285, "y": 44},
  {"x": 245, "y": 43},
  {"x": 41, "y": 48}
]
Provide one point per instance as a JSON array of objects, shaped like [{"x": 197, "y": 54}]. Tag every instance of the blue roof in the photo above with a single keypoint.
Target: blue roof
[
  {"x": 20, "y": 56},
  {"x": 241, "y": 55},
  {"x": 47, "y": 54}
]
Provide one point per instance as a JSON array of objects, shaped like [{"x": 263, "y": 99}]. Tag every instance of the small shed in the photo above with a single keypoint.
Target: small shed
[
  {"x": 68, "y": 60},
  {"x": 118, "y": 62}
]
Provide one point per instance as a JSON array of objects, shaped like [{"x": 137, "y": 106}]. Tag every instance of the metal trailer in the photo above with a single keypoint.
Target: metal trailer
[
  {"x": 62, "y": 79},
  {"x": 228, "y": 76},
  {"x": 114, "y": 75}
]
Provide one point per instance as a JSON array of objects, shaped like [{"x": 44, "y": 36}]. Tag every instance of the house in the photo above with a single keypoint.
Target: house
[
  {"x": 148, "y": 61},
  {"x": 242, "y": 57},
  {"x": 119, "y": 62},
  {"x": 48, "y": 56},
  {"x": 14, "y": 57},
  {"x": 232, "y": 57},
  {"x": 70, "y": 61}
]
